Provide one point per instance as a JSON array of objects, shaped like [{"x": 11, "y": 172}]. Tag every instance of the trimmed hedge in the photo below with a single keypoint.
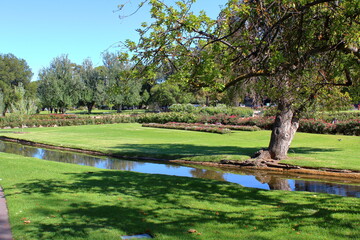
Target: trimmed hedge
[
  {"x": 62, "y": 120},
  {"x": 349, "y": 127},
  {"x": 220, "y": 109},
  {"x": 168, "y": 117}
]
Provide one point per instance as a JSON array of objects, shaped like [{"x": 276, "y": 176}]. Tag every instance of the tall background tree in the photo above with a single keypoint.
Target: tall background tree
[
  {"x": 92, "y": 84},
  {"x": 297, "y": 52},
  {"x": 124, "y": 85},
  {"x": 14, "y": 72},
  {"x": 59, "y": 86}
]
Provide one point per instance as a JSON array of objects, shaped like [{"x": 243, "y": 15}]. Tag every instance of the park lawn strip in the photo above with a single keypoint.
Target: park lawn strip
[
  {"x": 51, "y": 200},
  {"x": 130, "y": 139}
]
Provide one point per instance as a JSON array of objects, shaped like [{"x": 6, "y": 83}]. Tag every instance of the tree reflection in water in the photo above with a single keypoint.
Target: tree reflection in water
[
  {"x": 208, "y": 174},
  {"x": 275, "y": 183}
]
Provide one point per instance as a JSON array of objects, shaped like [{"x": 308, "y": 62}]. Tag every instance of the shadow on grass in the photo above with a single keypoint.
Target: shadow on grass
[
  {"x": 173, "y": 151},
  {"x": 168, "y": 206}
]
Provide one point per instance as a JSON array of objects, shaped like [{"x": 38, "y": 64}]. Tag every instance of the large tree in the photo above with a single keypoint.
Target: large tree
[
  {"x": 297, "y": 52},
  {"x": 124, "y": 86},
  {"x": 13, "y": 73},
  {"x": 164, "y": 94},
  {"x": 59, "y": 84},
  {"x": 93, "y": 84}
]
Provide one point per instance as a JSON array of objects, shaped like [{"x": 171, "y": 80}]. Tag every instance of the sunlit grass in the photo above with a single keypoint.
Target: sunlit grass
[
  {"x": 314, "y": 150},
  {"x": 50, "y": 200}
]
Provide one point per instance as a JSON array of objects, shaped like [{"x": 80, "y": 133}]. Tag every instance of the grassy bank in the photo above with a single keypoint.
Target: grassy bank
[
  {"x": 314, "y": 150},
  {"x": 50, "y": 200}
]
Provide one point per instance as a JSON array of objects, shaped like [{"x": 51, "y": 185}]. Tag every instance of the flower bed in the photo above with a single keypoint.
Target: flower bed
[
  {"x": 189, "y": 127},
  {"x": 231, "y": 122}
]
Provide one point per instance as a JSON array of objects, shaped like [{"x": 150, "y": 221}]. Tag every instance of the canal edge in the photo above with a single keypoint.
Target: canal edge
[{"x": 293, "y": 169}]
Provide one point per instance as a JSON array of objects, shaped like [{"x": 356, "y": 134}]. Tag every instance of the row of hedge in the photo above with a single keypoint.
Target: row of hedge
[
  {"x": 220, "y": 109},
  {"x": 38, "y": 121},
  {"x": 351, "y": 127},
  {"x": 325, "y": 116}
]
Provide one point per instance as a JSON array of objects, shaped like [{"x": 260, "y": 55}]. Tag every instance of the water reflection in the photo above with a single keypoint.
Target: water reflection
[
  {"x": 263, "y": 180},
  {"x": 275, "y": 183}
]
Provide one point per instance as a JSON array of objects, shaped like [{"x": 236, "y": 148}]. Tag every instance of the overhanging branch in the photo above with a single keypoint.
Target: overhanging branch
[{"x": 246, "y": 76}]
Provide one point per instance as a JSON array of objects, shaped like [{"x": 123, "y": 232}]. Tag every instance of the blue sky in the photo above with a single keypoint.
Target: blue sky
[{"x": 40, "y": 30}]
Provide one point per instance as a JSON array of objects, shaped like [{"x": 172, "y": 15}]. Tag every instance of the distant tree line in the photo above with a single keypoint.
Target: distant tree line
[{"x": 117, "y": 84}]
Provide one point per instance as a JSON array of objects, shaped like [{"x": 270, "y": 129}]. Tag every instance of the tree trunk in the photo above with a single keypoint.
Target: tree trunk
[
  {"x": 4, "y": 111},
  {"x": 118, "y": 108},
  {"x": 283, "y": 132},
  {"x": 90, "y": 106},
  {"x": 207, "y": 101}
]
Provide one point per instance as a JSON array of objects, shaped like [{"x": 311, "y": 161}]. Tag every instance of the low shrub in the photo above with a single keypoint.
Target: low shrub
[
  {"x": 351, "y": 127},
  {"x": 220, "y": 109},
  {"x": 168, "y": 117},
  {"x": 340, "y": 116},
  {"x": 63, "y": 120}
]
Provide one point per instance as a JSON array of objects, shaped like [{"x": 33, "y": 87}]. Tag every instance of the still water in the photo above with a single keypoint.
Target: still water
[{"x": 254, "y": 179}]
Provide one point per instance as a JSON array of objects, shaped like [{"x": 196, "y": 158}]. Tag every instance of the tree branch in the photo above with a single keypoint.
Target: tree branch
[{"x": 246, "y": 76}]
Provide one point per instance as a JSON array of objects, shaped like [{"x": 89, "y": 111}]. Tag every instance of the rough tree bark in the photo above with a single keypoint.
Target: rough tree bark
[
  {"x": 283, "y": 132},
  {"x": 284, "y": 129}
]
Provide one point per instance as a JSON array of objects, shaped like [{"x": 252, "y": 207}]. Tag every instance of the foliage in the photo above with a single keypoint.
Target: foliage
[
  {"x": 328, "y": 117},
  {"x": 349, "y": 127},
  {"x": 189, "y": 108},
  {"x": 220, "y": 109},
  {"x": 237, "y": 111},
  {"x": 298, "y": 53},
  {"x": 13, "y": 72},
  {"x": 165, "y": 94},
  {"x": 279, "y": 43},
  {"x": 168, "y": 117},
  {"x": 14, "y": 121},
  {"x": 59, "y": 85},
  {"x": 124, "y": 86},
  {"x": 23, "y": 104},
  {"x": 93, "y": 84}
]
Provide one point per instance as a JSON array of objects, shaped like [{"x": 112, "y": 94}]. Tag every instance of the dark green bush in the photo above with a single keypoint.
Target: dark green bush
[
  {"x": 220, "y": 109},
  {"x": 168, "y": 117}
]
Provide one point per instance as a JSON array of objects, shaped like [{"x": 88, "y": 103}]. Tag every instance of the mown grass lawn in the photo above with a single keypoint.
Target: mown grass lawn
[
  {"x": 314, "y": 150},
  {"x": 51, "y": 200}
]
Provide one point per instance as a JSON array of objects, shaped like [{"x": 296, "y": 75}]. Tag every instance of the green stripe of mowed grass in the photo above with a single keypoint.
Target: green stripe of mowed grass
[
  {"x": 132, "y": 140},
  {"x": 50, "y": 200}
]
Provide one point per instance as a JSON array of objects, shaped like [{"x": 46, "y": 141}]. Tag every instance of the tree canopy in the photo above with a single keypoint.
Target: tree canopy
[
  {"x": 297, "y": 52},
  {"x": 13, "y": 73},
  {"x": 59, "y": 85}
]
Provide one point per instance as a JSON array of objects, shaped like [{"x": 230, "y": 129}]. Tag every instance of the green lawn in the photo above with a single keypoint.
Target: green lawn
[
  {"x": 314, "y": 150},
  {"x": 51, "y": 200}
]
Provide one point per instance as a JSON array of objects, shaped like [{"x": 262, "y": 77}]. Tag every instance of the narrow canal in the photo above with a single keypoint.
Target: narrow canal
[{"x": 254, "y": 179}]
